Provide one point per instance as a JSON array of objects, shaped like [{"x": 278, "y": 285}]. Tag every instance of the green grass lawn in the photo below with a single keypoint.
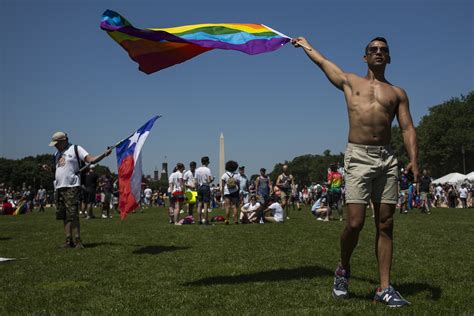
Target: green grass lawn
[{"x": 144, "y": 265}]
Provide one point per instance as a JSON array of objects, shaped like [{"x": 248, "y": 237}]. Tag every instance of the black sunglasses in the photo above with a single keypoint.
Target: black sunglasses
[{"x": 375, "y": 49}]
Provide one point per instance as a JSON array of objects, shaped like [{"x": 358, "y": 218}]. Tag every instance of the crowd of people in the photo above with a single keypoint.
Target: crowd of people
[
  {"x": 425, "y": 195},
  {"x": 252, "y": 201},
  {"x": 326, "y": 198}
]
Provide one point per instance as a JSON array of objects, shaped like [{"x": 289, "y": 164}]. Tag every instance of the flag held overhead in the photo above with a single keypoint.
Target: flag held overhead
[{"x": 158, "y": 48}]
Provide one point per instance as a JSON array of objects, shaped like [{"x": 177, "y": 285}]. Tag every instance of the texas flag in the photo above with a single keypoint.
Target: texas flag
[{"x": 129, "y": 162}]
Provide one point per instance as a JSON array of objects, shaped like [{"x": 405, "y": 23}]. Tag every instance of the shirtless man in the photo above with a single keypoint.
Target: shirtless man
[{"x": 371, "y": 168}]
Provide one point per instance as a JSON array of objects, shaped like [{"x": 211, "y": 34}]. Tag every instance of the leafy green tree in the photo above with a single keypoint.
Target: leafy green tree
[
  {"x": 443, "y": 133},
  {"x": 309, "y": 168}
]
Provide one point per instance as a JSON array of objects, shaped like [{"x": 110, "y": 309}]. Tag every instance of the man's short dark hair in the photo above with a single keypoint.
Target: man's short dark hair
[
  {"x": 192, "y": 164},
  {"x": 205, "y": 160},
  {"x": 231, "y": 166},
  {"x": 380, "y": 39},
  {"x": 179, "y": 166}
]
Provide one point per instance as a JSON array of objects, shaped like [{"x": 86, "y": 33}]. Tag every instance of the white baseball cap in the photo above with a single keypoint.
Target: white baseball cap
[{"x": 57, "y": 137}]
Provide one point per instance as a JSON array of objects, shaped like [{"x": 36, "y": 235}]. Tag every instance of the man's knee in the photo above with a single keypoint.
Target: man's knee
[
  {"x": 386, "y": 225},
  {"x": 355, "y": 224}
]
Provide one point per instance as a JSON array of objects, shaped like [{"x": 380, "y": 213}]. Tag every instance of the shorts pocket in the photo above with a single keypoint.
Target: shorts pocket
[{"x": 347, "y": 158}]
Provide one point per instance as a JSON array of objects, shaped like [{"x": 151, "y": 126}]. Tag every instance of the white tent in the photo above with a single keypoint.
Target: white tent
[
  {"x": 470, "y": 176},
  {"x": 451, "y": 178}
]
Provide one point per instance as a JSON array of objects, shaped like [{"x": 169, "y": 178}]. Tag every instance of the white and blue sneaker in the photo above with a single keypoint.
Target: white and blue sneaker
[
  {"x": 340, "y": 289},
  {"x": 390, "y": 297}
]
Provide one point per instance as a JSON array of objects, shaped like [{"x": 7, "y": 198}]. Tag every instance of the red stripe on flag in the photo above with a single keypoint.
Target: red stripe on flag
[{"x": 127, "y": 202}]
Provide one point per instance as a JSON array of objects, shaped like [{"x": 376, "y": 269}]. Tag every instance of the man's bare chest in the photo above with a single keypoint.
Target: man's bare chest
[{"x": 369, "y": 95}]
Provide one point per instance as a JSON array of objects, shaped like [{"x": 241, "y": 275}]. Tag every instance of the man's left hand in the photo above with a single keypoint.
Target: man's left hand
[{"x": 413, "y": 168}]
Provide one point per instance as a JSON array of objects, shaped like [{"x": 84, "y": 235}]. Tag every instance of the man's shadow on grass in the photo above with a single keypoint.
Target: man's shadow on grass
[
  {"x": 5, "y": 238},
  {"x": 307, "y": 272},
  {"x": 310, "y": 272},
  {"x": 155, "y": 250}
]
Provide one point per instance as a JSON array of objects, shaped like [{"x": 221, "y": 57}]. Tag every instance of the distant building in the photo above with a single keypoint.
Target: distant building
[{"x": 164, "y": 171}]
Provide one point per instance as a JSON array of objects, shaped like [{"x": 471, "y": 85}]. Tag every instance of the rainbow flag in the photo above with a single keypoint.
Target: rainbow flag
[{"x": 158, "y": 48}]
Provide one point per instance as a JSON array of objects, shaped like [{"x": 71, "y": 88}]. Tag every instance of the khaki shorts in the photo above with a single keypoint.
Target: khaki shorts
[
  {"x": 371, "y": 173},
  {"x": 424, "y": 196},
  {"x": 285, "y": 195}
]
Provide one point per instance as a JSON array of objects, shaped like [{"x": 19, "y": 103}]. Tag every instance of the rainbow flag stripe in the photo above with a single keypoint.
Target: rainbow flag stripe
[{"x": 158, "y": 48}]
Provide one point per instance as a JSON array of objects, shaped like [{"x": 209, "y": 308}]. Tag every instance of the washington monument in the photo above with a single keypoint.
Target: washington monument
[{"x": 221, "y": 156}]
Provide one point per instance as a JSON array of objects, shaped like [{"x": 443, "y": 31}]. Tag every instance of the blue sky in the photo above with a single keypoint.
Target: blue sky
[{"x": 59, "y": 71}]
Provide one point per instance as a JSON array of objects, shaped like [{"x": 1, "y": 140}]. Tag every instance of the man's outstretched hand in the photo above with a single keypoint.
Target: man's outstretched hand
[{"x": 299, "y": 42}]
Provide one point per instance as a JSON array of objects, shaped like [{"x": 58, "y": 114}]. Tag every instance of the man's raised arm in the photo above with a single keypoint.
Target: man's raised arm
[{"x": 335, "y": 74}]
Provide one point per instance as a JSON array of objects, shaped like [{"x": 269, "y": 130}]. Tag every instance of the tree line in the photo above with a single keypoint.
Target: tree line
[
  {"x": 445, "y": 140},
  {"x": 445, "y": 143}
]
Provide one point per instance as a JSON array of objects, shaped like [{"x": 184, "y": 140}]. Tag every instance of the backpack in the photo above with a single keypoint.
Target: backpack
[
  {"x": 82, "y": 174},
  {"x": 231, "y": 184}
]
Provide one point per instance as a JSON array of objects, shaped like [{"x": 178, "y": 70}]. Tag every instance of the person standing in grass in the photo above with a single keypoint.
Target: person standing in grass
[
  {"x": 463, "y": 193},
  {"x": 263, "y": 186},
  {"x": 177, "y": 190},
  {"x": 244, "y": 186},
  {"x": 284, "y": 182},
  {"x": 370, "y": 164},
  {"x": 67, "y": 184},
  {"x": 90, "y": 191},
  {"x": 335, "y": 189},
  {"x": 190, "y": 184},
  {"x": 204, "y": 179},
  {"x": 230, "y": 182},
  {"x": 41, "y": 198}
]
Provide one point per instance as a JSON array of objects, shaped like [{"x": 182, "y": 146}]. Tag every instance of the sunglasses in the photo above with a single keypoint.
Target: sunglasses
[{"x": 375, "y": 49}]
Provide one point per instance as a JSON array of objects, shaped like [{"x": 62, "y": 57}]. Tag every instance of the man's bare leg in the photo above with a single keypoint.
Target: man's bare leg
[
  {"x": 350, "y": 236},
  {"x": 206, "y": 212},
  {"x": 384, "y": 240},
  {"x": 227, "y": 210},
  {"x": 236, "y": 214},
  {"x": 68, "y": 230}
]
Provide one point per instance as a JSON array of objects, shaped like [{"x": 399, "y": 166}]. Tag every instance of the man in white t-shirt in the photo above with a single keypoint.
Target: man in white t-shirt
[
  {"x": 244, "y": 186},
  {"x": 204, "y": 178},
  {"x": 463, "y": 192},
  {"x": 274, "y": 213},
  {"x": 177, "y": 190},
  {"x": 190, "y": 184},
  {"x": 67, "y": 184},
  {"x": 147, "y": 193},
  {"x": 438, "y": 195},
  {"x": 230, "y": 183},
  {"x": 41, "y": 198}
]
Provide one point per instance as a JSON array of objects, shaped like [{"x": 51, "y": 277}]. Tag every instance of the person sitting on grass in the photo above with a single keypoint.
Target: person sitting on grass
[
  {"x": 249, "y": 211},
  {"x": 274, "y": 213},
  {"x": 7, "y": 207},
  {"x": 320, "y": 208}
]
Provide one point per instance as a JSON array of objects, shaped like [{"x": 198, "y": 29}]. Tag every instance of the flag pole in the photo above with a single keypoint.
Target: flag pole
[
  {"x": 109, "y": 148},
  {"x": 283, "y": 35}
]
